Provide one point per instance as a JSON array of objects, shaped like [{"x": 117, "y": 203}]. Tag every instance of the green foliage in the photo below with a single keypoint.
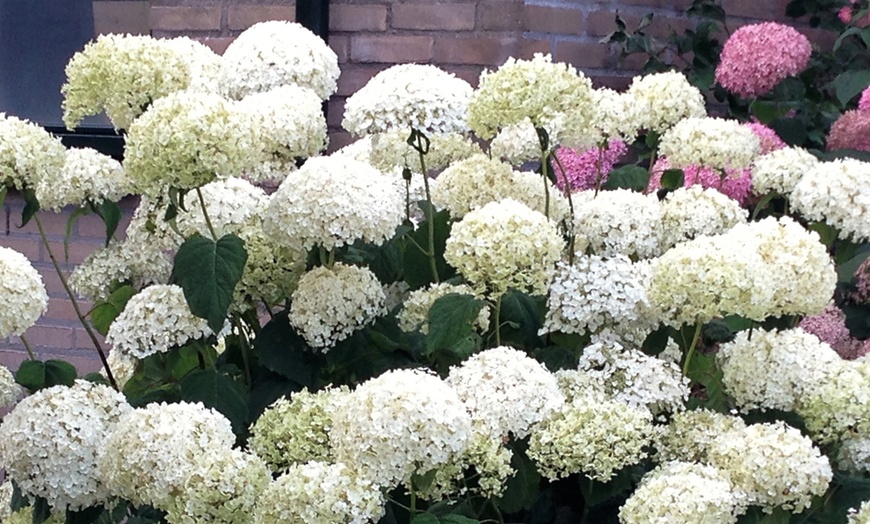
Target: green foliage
[
  {"x": 283, "y": 351},
  {"x": 522, "y": 488},
  {"x": 219, "y": 391},
  {"x": 417, "y": 271},
  {"x": 451, "y": 327},
  {"x": 36, "y": 374},
  {"x": 104, "y": 313},
  {"x": 628, "y": 177}
]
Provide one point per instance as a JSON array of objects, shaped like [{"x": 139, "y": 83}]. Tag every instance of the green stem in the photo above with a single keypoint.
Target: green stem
[
  {"x": 544, "y": 166},
  {"x": 599, "y": 176},
  {"x": 413, "y": 508},
  {"x": 323, "y": 256},
  {"x": 75, "y": 303},
  {"x": 498, "y": 321},
  {"x": 246, "y": 348},
  {"x": 27, "y": 347},
  {"x": 497, "y": 511},
  {"x": 691, "y": 351},
  {"x": 331, "y": 260},
  {"x": 205, "y": 214},
  {"x": 570, "y": 225},
  {"x": 430, "y": 209}
]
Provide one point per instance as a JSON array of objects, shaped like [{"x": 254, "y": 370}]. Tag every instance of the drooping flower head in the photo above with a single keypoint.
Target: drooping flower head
[
  {"x": 28, "y": 153},
  {"x": 22, "y": 293},
  {"x": 406, "y": 97},
  {"x": 850, "y": 131},
  {"x": 757, "y": 57},
  {"x": 664, "y": 99},
  {"x": 277, "y": 53}
]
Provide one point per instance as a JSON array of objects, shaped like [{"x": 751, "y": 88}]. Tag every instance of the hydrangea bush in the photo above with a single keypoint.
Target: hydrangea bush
[{"x": 530, "y": 301}]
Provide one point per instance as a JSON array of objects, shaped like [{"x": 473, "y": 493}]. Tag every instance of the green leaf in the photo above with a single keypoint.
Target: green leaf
[
  {"x": 846, "y": 271},
  {"x": 792, "y": 130},
  {"x": 526, "y": 313},
  {"x": 41, "y": 510},
  {"x": 31, "y": 206},
  {"x": 208, "y": 272},
  {"x": 628, "y": 177},
  {"x": 218, "y": 391},
  {"x": 416, "y": 265},
  {"x": 85, "y": 516},
  {"x": 451, "y": 321},
  {"x": 281, "y": 350},
  {"x": 425, "y": 518},
  {"x": 31, "y": 375},
  {"x": 111, "y": 215},
  {"x": 704, "y": 371},
  {"x": 102, "y": 315},
  {"x": 522, "y": 488},
  {"x": 850, "y": 83},
  {"x": 59, "y": 373},
  {"x": 827, "y": 233},
  {"x": 457, "y": 519},
  {"x": 4, "y": 190},
  {"x": 673, "y": 179},
  {"x": 182, "y": 361},
  {"x": 19, "y": 499}
]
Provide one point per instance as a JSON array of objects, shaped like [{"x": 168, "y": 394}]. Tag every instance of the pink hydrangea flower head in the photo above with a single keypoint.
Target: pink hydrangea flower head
[
  {"x": 851, "y": 131},
  {"x": 736, "y": 184},
  {"x": 847, "y": 12},
  {"x": 864, "y": 101},
  {"x": 861, "y": 295},
  {"x": 757, "y": 57},
  {"x": 830, "y": 327},
  {"x": 768, "y": 138},
  {"x": 583, "y": 170}
]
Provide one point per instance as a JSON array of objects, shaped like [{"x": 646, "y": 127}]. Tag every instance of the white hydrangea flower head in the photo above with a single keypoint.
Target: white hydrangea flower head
[
  {"x": 28, "y": 153},
  {"x": 537, "y": 89},
  {"x": 619, "y": 222},
  {"x": 406, "y": 97},
  {"x": 359, "y": 150},
  {"x": 689, "y": 212},
  {"x": 320, "y": 493},
  {"x": 505, "y": 391},
  {"x": 224, "y": 486},
  {"x": 854, "y": 455},
  {"x": 663, "y": 99},
  {"x": 690, "y": 435},
  {"x": 635, "y": 378},
  {"x": 491, "y": 461},
  {"x": 839, "y": 408},
  {"x": 234, "y": 205},
  {"x": 837, "y": 192},
  {"x": 414, "y": 315},
  {"x": 334, "y": 201},
  {"x": 403, "y": 422},
  {"x": 122, "y": 261},
  {"x": 271, "y": 272},
  {"x": 471, "y": 183},
  {"x": 774, "y": 369},
  {"x": 6, "y": 490},
  {"x": 780, "y": 171},
  {"x": 296, "y": 431},
  {"x": 123, "y": 367},
  {"x": 87, "y": 176},
  {"x": 164, "y": 145},
  {"x": 617, "y": 116},
  {"x": 276, "y": 53},
  {"x": 122, "y": 75},
  {"x": 329, "y": 304},
  {"x": 593, "y": 436},
  {"x": 153, "y": 450},
  {"x": 774, "y": 465},
  {"x": 710, "y": 142},
  {"x": 390, "y": 150},
  {"x": 51, "y": 441},
  {"x": 577, "y": 384},
  {"x": 595, "y": 292},
  {"x": 861, "y": 515},
  {"x": 290, "y": 125},
  {"x": 155, "y": 320},
  {"x": 505, "y": 245},
  {"x": 10, "y": 391},
  {"x": 682, "y": 492},
  {"x": 518, "y": 143},
  {"x": 148, "y": 229},
  {"x": 203, "y": 63},
  {"x": 22, "y": 293}
]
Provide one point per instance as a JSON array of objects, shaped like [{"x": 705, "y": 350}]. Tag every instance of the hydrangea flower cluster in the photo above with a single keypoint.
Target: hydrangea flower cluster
[
  {"x": 736, "y": 184},
  {"x": 233, "y": 206},
  {"x": 518, "y": 143},
  {"x": 329, "y": 304},
  {"x": 838, "y": 409},
  {"x": 693, "y": 211},
  {"x": 505, "y": 245},
  {"x": 774, "y": 369},
  {"x": 588, "y": 169},
  {"x": 152, "y": 451},
  {"x": 51, "y": 441},
  {"x": 491, "y": 463},
  {"x": 837, "y": 192},
  {"x": 391, "y": 150},
  {"x": 22, "y": 292},
  {"x": 767, "y": 137},
  {"x": 403, "y": 422},
  {"x": 663, "y": 99},
  {"x": 619, "y": 222},
  {"x": 691, "y": 435},
  {"x": 87, "y": 176},
  {"x": 276, "y": 53},
  {"x": 320, "y": 493},
  {"x": 773, "y": 465},
  {"x": 617, "y": 116},
  {"x": 780, "y": 170},
  {"x": 28, "y": 153},
  {"x": 709, "y": 142},
  {"x": 757, "y": 57},
  {"x": 154, "y": 321},
  {"x": 862, "y": 514},
  {"x": 415, "y": 312},
  {"x": 96, "y": 277},
  {"x": 682, "y": 492},
  {"x": 271, "y": 272},
  {"x": 864, "y": 101},
  {"x": 409, "y": 96},
  {"x": 505, "y": 391},
  {"x": 334, "y": 201},
  {"x": 296, "y": 431},
  {"x": 830, "y": 327},
  {"x": 595, "y": 292},
  {"x": 597, "y": 437},
  {"x": 290, "y": 125},
  {"x": 850, "y": 131},
  {"x": 10, "y": 391},
  {"x": 536, "y": 89},
  {"x": 187, "y": 140},
  {"x": 854, "y": 454}
]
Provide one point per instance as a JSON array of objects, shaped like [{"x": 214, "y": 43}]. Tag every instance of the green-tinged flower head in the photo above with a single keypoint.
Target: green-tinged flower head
[
  {"x": 664, "y": 99},
  {"x": 28, "y": 153},
  {"x": 22, "y": 293},
  {"x": 690, "y": 435},
  {"x": 88, "y": 176}
]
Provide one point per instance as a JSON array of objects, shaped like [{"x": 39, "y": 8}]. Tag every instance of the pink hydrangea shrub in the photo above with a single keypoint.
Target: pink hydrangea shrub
[
  {"x": 584, "y": 170},
  {"x": 847, "y": 12},
  {"x": 850, "y": 131},
  {"x": 768, "y": 138},
  {"x": 737, "y": 184},
  {"x": 759, "y": 56},
  {"x": 830, "y": 327},
  {"x": 864, "y": 101}
]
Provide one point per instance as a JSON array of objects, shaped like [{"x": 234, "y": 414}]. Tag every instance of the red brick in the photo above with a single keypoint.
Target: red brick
[
  {"x": 354, "y": 77},
  {"x": 390, "y": 49},
  {"x": 62, "y": 309},
  {"x": 526, "y": 49},
  {"x": 500, "y": 15},
  {"x": 475, "y": 51},
  {"x": 51, "y": 336},
  {"x": 26, "y": 245},
  {"x": 339, "y": 139},
  {"x": 54, "y": 224},
  {"x": 186, "y": 18},
  {"x": 121, "y": 17},
  {"x": 345, "y": 17},
  {"x": 83, "y": 341},
  {"x": 602, "y": 23},
  {"x": 335, "y": 112},
  {"x": 443, "y": 17},
  {"x": 748, "y": 8},
  {"x": 553, "y": 20},
  {"x": 341, "y": 45},
  {"x": 244, "y": 16},
  {"x": 469, "y": 73},
  {"x": 78, "y": 251},
  {"x": 218, "y": 44},
  {"x": 584, "y": 55}
]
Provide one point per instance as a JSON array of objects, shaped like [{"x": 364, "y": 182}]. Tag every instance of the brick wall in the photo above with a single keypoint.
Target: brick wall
[{"x": 462, "y": 36}]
